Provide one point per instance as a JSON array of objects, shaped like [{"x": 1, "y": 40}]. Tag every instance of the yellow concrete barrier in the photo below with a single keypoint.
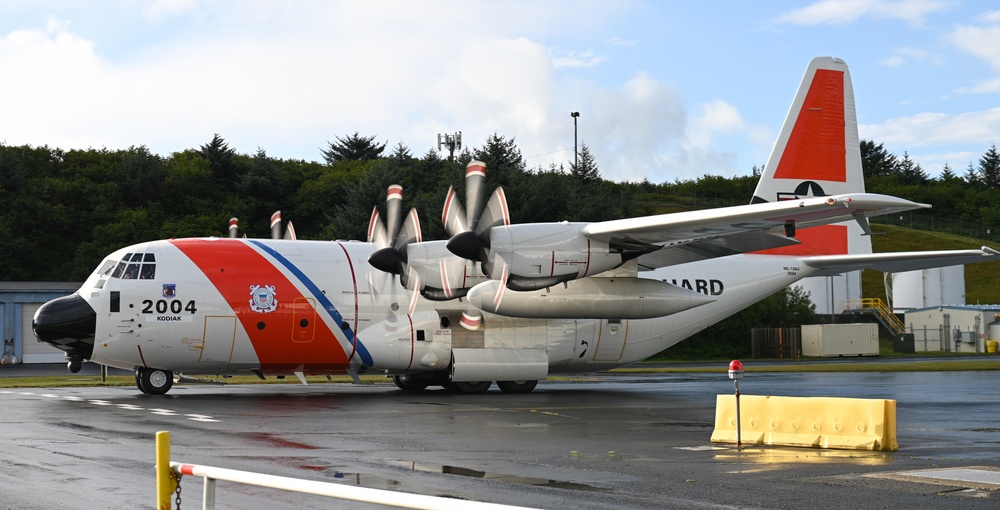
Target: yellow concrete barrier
[{"x": 822, "y": 422}]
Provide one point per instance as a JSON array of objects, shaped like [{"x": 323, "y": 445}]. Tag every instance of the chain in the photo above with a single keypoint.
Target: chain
[{"x": 177, "y": 500}]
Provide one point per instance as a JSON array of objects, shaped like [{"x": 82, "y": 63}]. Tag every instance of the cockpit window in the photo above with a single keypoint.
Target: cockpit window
[{"x": 136, "y": 266}]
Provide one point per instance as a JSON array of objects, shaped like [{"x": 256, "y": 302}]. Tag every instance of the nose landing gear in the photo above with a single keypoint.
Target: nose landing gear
[
  {"x": 74, "y": 364},
  {"x": 153, "y": 381}
]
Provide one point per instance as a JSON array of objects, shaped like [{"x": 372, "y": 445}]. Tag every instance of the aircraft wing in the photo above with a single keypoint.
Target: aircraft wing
[
  {"x": 830, "y": 265},
  {"x": 697, "y": 235}
]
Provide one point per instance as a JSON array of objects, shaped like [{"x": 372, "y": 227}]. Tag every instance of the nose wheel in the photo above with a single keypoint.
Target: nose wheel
[{"x": 153, "y": 381}]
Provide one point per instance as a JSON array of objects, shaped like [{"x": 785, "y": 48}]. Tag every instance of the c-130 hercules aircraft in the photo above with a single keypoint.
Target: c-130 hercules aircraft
[{"x": 503, "y": 302}]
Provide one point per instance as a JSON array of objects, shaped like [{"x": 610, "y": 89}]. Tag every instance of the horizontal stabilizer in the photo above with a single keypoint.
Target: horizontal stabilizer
[{"x": 899, "y": 261}]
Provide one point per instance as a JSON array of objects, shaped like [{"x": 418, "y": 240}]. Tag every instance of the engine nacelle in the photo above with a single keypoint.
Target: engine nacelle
[
  {"x": 439, "y": 274},
  {"x": 594, "y": 298},
  {"x": 550, "y": 252},
  {"x": 407, "y": 343}
]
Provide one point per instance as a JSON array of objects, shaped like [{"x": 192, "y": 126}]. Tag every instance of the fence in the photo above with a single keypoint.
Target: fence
[
  {"x": 169, "y": 474},
  {"x": 936, "y": 224},
  {"x": 781, "y": 343}
]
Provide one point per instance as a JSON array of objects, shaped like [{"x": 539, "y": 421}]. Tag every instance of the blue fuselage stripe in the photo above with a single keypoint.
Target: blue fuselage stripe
[{"x": 366, "y": 358}]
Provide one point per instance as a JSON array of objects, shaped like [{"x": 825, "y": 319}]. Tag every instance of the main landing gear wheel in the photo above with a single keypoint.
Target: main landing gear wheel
[
  {"x": 516, "y": 386},
  {"x": 469, "y": 388},
  {"x": 138, "y": 381},
  {"x": 410, "y": 383},
  {"x": 154, "y": 381}
]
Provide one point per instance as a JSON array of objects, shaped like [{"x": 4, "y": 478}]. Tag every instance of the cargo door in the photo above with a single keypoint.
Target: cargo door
[{"x": 611, "y": 338}]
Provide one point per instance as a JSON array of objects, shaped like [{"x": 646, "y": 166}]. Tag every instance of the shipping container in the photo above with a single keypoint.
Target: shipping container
[{"x": 840, "y": 340}]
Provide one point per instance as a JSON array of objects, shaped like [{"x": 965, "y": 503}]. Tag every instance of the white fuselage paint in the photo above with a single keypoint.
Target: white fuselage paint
[{"x": 211, "y": 339}]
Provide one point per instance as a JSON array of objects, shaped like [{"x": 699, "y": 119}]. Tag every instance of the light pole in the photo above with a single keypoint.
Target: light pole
[{"x": 576, "y": 154}]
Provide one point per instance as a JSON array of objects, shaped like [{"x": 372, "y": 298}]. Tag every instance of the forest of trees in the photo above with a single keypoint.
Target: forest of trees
[{"x": 62, "y": 211}]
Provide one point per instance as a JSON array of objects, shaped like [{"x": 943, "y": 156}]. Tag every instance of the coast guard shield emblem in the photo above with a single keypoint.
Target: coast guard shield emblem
[{"x": 262, "y": 298}]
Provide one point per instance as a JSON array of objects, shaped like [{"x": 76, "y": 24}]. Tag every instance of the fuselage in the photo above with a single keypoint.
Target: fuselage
[{"x": 224, "y": 306}]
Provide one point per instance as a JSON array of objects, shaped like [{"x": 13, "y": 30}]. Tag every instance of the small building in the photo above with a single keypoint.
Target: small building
[
  {"x": 953, "y": 328},
  {"x": 18, "y": 303}
]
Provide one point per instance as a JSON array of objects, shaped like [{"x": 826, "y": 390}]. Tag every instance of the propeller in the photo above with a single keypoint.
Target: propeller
[
  {"x": 234, "y": 228},
  {"x": 392, "y": 238},
  {"x": 469, "y": 228}
]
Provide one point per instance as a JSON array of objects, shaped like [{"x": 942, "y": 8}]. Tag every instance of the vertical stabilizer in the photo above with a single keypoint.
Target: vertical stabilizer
[{"x": 818, "y": 153}]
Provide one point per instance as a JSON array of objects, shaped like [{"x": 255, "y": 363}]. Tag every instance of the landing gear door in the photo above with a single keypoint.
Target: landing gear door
[{"x": 219, "y": 340}]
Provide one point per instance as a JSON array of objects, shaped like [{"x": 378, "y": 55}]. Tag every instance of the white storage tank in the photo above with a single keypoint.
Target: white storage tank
[
  {"x": 926, "y": 288},
  {"x": 840, "y": 339},
  {"x": 829, "y": 293}
]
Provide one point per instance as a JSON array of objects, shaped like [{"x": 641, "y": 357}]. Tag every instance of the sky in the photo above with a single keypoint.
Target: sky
[{"x": 666, "y": 90}]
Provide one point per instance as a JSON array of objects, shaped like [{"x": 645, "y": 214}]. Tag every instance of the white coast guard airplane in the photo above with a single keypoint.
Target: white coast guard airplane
[{"x": 498, "y": 301}]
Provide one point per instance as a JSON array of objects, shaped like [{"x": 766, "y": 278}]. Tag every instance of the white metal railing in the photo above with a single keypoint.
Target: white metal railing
[{"x": 168, "y": 475}]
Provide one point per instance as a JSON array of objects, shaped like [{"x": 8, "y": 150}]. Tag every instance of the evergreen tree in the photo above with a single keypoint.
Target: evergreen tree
[
  {"x": 909, "y": 171},
  {"x": 947, "y": 174},
  {"x": 221, "y": 158},
  {"x": 401, "y": 154},
  {"x": 875, "y": 160},
  {"x": 587, "y": 170},
  {"x": 504, "y": 162},
  {"x": 140, "y": 175},
  {"x": 971, "y": 176},
  {"x": 353, "y": 148},
  {"x": 989, "y": 168}
]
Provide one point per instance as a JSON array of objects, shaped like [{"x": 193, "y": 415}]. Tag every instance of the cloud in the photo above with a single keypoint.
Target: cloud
[
  {"x": 936, "y": 129},
  {"x": 903, "y": 55},
  {"x": 616, "y": 41},
  {"x": 981, "y": 41},
  {"x": 893, "y": 61},
  {"x": 161, "y": 10},
  {"x": 290, "y": 79},
  {"x": 843, "y": 12},
  {"x": 578, "y": 59}
]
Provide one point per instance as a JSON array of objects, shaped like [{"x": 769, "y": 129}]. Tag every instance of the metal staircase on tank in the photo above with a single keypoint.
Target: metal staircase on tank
[{"x": 879, "y": 309}]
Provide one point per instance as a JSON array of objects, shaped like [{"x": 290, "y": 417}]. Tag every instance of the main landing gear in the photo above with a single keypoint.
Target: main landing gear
[
  {"x": 153, "y": 381},
  {"x": 420, "y": 382}
]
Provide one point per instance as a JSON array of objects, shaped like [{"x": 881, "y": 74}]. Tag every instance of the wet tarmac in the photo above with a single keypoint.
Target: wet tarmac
[{"x": 606, "y": 441}]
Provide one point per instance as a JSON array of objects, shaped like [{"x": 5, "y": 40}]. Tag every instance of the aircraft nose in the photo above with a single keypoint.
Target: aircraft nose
[{"x": 69, "y": 323}]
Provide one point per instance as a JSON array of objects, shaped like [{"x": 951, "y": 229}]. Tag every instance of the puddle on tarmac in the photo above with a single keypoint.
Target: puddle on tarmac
[{"x": 502, "y": 477}]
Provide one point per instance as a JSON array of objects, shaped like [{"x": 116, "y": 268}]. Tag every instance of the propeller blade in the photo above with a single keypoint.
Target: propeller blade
[
  {"x": 289, "y": 232},
  {"x": 453, "y": 216},
  {"x": 496, "y": 214},
  {"x": 234, "y": 227},
  {"x": 393, "y": 211},
  {"x": 475, "y": 178},
  {"x": 276, "y": 225},
  {"x": 410, "y": 233},
  {"x": 376, "y": 230}
]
